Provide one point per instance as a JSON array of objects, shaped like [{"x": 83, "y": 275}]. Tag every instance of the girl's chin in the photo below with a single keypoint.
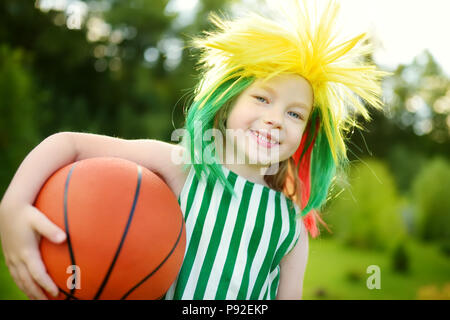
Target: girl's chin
[
  {"x": 267, "y": 166},
  {"x": 264, "y": 156},
  {"x": 263, "y": 159}
]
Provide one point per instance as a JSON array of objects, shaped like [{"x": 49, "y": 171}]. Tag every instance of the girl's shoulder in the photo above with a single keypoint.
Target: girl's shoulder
[{"x": 169, "y": 163}]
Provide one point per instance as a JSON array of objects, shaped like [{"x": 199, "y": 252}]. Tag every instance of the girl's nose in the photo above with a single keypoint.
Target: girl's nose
[
  {"x": 273, "y": 119},
  {"x": 273, "y": 123}
]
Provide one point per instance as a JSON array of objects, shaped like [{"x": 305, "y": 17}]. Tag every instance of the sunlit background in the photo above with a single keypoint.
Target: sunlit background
[{"x": 121, "y": 68}]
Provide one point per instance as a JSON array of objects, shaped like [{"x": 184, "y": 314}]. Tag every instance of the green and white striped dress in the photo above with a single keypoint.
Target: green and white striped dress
[{"x": 234, "y": 244}]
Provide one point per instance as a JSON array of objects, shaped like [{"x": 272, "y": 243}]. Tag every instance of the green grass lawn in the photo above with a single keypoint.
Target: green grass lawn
[
  {"x": 337, "y": 272},
  {"x": 8, "y": 289}
]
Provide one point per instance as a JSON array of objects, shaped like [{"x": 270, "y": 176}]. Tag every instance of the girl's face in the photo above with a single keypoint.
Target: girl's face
[{"x": 269, "y": 118}]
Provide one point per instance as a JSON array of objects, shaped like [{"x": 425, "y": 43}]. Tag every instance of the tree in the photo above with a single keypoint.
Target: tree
[{"x": 367, "y": 213}]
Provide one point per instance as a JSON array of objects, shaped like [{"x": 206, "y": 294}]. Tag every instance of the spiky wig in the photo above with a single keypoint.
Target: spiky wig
[{"x": 254, "y": 47}]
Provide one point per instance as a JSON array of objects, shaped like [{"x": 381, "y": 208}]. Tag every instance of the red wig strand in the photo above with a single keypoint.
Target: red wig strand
[{"x": 304, "y": 175}]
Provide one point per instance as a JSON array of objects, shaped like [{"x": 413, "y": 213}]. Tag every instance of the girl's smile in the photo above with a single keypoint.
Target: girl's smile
[{"x": 264, "y": 138}]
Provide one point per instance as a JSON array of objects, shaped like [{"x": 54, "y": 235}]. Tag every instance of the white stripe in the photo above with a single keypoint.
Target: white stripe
[
  {"x": 185, "y": 190},
  {"x": 298, "y": 227},
  {"x": 219, "y": 261},
  {"x": 285, "y": 226},
  {"x": 264, "y": 288},
  {"x": 271, "y": 276},
  {"x": 171, "y": 291},
  {"x": 270, "y": 283},
  {"x": 241, "y": 259},
  {"x": 183, "y": 203},
  {"x": 264, "y": 243},
  {"x": 189, "y": 226},
  {"x": 205, "y": 239}
]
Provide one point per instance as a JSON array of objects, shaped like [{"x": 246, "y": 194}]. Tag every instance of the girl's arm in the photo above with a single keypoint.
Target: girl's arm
[
  {"x": 63, "y": 148},
  {"x": 158, "y": 156},
  {"x": 52, "y": 153},
  {"x": 292, "y": 269},
  {"x": 22, "y": 225}
]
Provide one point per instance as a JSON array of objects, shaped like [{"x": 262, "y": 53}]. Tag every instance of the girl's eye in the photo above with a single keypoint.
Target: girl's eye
[
  {"x": 295, "y": 115},
  {"x": 261, "y": 99}
]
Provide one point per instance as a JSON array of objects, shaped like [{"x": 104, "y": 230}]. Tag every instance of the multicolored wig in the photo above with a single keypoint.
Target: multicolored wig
[{"x": 254, "y": 47}]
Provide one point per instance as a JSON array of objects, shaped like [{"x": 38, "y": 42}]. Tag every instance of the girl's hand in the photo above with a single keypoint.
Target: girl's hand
[{"x": 21, "y": 228}]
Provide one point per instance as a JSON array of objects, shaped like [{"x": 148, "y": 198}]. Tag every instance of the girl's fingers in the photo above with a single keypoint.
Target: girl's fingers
[
  {"x": 30, "y": 287},
  {"x": 16, "y": 278},
  {"x": 39, "y": 273},
  {"x": 45, "y": 227}
]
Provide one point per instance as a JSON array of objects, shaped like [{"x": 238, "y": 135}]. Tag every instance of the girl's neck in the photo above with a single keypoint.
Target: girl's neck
[{"x": 251, "y": 173}]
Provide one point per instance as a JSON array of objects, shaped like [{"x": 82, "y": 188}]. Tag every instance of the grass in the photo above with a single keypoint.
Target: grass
[
  {"x": 338, "y": 272},
  {"x": 8, "y": 288}
]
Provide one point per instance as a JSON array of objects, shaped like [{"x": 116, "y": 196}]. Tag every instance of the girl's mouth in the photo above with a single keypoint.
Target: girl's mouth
[{"x": 264, "y": 139}]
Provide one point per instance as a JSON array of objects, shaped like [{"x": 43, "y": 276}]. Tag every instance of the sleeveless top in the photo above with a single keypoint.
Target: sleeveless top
[{"x": 234, "y": 243}]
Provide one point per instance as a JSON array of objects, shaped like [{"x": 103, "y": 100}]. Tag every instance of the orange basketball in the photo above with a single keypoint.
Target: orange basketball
[{"x": 125, "y": 231}]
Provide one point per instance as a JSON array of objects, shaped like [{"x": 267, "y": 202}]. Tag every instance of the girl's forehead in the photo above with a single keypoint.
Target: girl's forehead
[
  {"x": 282, "y": 80},
  {"x": 292, "y": 83}
]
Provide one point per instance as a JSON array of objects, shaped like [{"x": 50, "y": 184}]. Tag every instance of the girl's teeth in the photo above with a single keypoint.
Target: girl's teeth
[{"x": 265, "y": 138}]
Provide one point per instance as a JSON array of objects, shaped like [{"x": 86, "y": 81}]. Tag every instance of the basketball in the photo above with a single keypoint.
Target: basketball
[{"x": 125, "y": 231}]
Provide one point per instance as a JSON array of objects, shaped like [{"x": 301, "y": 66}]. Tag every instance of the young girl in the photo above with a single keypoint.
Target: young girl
[{"x": 288, "y": 93}]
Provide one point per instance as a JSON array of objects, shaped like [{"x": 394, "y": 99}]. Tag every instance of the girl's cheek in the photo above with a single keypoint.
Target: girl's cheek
[
  {"x": 295, "y": 135},
  {"x": 245, "y": 117}
]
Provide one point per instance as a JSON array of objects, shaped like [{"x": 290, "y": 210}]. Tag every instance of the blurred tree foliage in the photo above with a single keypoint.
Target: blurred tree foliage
[
  {"x": 19, "y": 104},
  {"x": 367, "y": 212},
  {"x": 415, "y": 124},
  {"x": 431, "y": 194},
  {"x": 110, "y": 67}
]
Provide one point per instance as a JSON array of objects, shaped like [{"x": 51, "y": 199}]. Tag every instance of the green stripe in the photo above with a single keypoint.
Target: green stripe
[
  {"x": 193, "y": 243},
  {"x": 289, "y": 238},
  {"x": 189, "y": 200},
  {"x": 254, "y": 243},
  {"x": 191, "y": 196},
  {"x": 275, "y": 235},
  {"x": 213, "y": 245},
  {"x": 233, "y": 249}
]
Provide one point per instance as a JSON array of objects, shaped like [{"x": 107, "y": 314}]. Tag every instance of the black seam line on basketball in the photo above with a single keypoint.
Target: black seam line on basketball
[
  {"x": 159, "y": 266},
  {"x": 68, "y": 295},
  {"x": 66, "y": 219},
  {"x": 130, "y": 218}
]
